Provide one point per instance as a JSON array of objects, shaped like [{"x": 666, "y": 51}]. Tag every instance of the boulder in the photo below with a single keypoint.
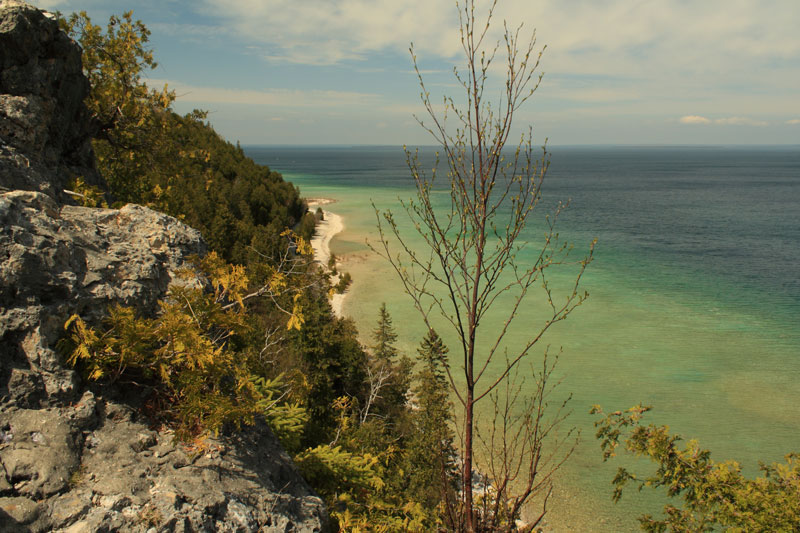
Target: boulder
[
  {"x": 62, "y": 260},
  {"x": 119, "y": 473}
]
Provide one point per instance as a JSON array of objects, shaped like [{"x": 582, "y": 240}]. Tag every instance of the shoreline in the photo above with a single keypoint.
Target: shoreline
[{"x": 327, "y": 228}]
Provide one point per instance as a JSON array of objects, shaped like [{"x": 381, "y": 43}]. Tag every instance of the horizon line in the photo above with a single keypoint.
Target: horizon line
[{"x": 564, "y": 145}]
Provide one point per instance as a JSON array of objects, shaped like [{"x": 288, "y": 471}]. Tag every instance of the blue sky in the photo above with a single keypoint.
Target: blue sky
[{"x": 615, "y": 71}]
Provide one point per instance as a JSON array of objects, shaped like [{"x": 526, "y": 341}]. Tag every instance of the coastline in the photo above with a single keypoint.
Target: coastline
[{"x": 327, "y": 228}]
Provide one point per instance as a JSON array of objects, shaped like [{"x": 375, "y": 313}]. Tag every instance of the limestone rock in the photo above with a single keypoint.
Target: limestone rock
[
  {"x": 22, "y": 514},
  {"x": 42, "y": 453},
  {"x": 73, "y": 459},
  {"x": 62, "y": 260},
  {"x": 44, "y": 124},
  {"x": 122, "y": 474}
]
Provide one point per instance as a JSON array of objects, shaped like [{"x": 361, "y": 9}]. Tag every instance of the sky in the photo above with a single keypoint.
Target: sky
[{"x": 340, "y": 72}]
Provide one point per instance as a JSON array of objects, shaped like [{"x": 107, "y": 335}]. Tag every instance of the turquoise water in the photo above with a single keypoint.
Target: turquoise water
[{"x": 694, "y": 294}]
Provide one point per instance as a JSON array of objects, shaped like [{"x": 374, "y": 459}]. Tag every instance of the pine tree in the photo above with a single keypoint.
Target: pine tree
[
  {"x": 431, "y": 454},
  {"x": 389, "y": 373},
  {"x": 384, "y": 336}
]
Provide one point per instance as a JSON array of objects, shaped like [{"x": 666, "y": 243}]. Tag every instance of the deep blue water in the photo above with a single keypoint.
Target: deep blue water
[{"x": 720, "y": 216}]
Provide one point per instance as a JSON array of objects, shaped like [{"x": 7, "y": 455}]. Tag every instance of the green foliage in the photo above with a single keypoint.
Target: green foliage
[
  {"x": 85, "y": 195},
  {"x": 128, "y": 116},
  {"x": 334, "y": 471},
  {"x": 384, "y": 336},
  {"x": 344, "y": 283},
  {"x": 307, "y": 226},
  {"x": 241, "y": 208},
  {"x": 378, "y": 465},
  {"x": 412, "y": 440},
  {"x": 178, "y": 164},
  {"x": 715, "y": 495},
  {"x": 350, "y": 473},
  {"x": 430, "y": 456},
  {"x": 331, "y": 361},
  {"x": 113, "y": 63},
  {"x": 361, "y": 477},
  {"x": 190, "y": 355},
  {"x": 389, "y": 371},
  {"x": 287, "y": 420}
]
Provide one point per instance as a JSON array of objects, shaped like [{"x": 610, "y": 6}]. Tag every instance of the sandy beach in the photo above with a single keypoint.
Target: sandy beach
[{"x": 327, "y": 228}]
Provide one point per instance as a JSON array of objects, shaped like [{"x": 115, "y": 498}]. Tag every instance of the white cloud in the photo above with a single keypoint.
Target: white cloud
[
  {"x": 578, "y": 32},
  {"x": 657, "y": 54},
  {"x": 709, "y": 38},
  {"x": 694, "y": 119},
  {"x": 739, "y": 121},
  {"x": 268, "y": 97},
  {"x": 724, "y": 121},
  {"x": 321, "y": 32}
]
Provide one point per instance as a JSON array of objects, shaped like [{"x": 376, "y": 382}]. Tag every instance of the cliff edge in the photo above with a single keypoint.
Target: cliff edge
[{"x": 71, "y": 458}]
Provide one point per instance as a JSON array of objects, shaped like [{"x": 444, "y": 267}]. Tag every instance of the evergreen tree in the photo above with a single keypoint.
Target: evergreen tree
[
  {"x": 177, "y": 164},
  {"x": 389, "y": 381},
  {"x": 384, "y": 336},
  {"x": 430, "y": 455},
  {"x": 332, "y": 361}
]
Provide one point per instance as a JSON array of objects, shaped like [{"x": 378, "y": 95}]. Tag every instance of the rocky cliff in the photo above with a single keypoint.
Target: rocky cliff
[{"x": 74, "y": 458}]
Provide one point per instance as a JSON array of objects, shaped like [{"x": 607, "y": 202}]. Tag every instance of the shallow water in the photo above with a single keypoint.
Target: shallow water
[{"x": 694, "y": 294}]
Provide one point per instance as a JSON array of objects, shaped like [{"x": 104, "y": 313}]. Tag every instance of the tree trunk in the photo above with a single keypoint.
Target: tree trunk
[{"x": 469, "y": 513}]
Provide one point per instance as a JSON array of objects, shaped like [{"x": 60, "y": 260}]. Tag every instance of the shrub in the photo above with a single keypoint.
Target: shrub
[{"x": 191, "y": 355}]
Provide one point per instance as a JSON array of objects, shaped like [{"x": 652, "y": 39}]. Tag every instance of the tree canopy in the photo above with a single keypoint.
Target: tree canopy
[
  {"x": 177, "y": 164},
  {"x": 713, "y": 495}
]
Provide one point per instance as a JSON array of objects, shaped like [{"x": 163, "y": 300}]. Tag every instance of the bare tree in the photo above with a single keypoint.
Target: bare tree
[
  {"x": 472, "y": 242},
  {"x": 378, "y": 375}
]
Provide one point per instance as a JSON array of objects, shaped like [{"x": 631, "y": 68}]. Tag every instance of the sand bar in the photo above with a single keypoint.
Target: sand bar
[{"x": 313, "y": 203}]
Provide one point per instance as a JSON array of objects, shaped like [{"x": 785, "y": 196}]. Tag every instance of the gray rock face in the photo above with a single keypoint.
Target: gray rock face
[
  {"x": 59, "y": 260},
  {"x": 73, "y": 459},
  {"x": 93, "y": 466},
  {"x": 44, "y": 125}
]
